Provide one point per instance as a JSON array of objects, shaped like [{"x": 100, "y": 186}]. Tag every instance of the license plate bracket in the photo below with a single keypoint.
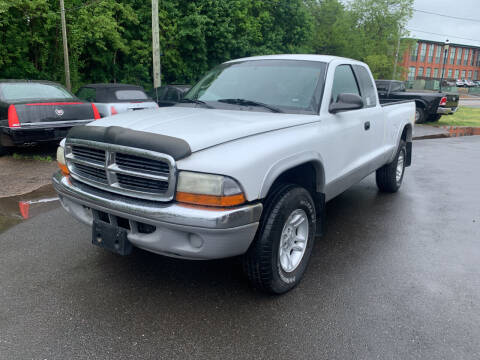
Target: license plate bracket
[{"x": 111, "y": 237}]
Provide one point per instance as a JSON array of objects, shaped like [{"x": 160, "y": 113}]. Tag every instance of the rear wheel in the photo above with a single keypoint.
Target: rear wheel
[
  {"x": 419, "y": 115},
  {"x": 279, "y": 255},
  {"x": 390, "y": 176}
]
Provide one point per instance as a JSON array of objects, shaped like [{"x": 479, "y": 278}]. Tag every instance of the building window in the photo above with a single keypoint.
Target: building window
[
  {"x": 475, "y": 75},
  {"x": 411, "y": 72},
  {"x": 459, "y": 56},
  {"x": 420, "y": 72},
  {"x": 423, "y": 52},
  {"x": 463, "y": 74},
  {"x": 469, "y": 74},
  {"x": 428, "y": 72},
  {"x": 413, "y": 56},
  {"x": 472, "y": 57},
  {"x": 457, "y": 72},
  {"x": 465, "y": 56},
  {"x": 449, "y": 74},
  {"x": 435, "y": 73},
  {"x": 438, "y": 54},
  {"x": 430, "y": 53},
  {"x": 452, "y": 55}
]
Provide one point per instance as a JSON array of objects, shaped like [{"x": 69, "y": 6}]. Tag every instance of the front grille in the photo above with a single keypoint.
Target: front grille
[
  {"x": 92, "y": 173},
  {"x": 132, "y": 162},
  {"x": 136, "y": 183},
  {"x": 89, "y": 154},
  {"x": 128, "y": 171}
]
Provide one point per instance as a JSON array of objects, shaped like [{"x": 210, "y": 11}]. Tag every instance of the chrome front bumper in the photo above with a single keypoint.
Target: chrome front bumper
[{"x": 180, "y": 231}]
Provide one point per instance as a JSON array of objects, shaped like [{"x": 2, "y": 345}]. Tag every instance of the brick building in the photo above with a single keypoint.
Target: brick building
[{"x": 425, "y": 60}]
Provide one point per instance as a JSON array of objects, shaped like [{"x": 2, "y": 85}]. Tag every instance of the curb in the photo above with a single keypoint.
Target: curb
[{"x": 456, "y": 131}]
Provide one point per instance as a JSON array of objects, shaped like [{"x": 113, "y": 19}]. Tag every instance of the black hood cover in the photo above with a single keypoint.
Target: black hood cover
[{"x": 175, "y": 147}]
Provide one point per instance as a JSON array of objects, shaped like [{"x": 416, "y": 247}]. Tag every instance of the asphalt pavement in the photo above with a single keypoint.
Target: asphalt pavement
[{"x": 395, "y": 277}]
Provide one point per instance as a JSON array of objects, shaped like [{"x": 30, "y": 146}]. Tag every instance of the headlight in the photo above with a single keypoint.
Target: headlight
[
  {"x": 208, "y": 190},
  {"x": 61, "y": 158}
]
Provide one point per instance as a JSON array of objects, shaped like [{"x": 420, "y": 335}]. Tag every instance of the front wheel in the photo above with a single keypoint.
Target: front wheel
[
  {"x": 390, "y": 176},
  {"x": 279, "y": 255}
]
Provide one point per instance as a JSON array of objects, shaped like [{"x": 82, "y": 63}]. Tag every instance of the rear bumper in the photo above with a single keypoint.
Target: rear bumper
[
  {"x": 36, "y": 133},
  {"x": 446, "y": 110},
  {"x": 180, "y": 231}
]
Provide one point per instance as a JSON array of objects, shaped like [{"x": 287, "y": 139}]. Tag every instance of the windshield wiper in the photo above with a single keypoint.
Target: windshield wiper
[
  {"x": 245, "y": 102},
  {"x": 196, "y": 101}
]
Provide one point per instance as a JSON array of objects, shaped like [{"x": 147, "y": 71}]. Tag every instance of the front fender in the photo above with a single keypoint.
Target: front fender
[{"x": 290, "y": 162}]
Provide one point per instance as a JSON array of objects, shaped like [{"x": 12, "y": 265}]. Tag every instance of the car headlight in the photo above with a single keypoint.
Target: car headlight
[
  {"x": 62, "y": 164},
  {"x": 208, "y": 190}
]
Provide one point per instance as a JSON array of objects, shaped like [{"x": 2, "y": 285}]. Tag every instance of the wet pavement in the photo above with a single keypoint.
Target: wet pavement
[
  {"x": 395, "y": 277},
  {"x": 421, "y": 131}
]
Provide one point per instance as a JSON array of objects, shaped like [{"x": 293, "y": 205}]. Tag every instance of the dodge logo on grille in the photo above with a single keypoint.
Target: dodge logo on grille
[{"x": 59, "y": 112}]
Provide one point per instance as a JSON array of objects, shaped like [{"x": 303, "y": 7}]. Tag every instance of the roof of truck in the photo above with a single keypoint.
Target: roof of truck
[{"x": 306, "y": 57}]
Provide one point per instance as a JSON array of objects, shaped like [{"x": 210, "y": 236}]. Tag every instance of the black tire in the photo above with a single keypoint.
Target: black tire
[
  {"x": 419, "y": 115},
  {"x": 3, "y": 150},
  {"x": 262, "y": 263},
  {"x": 433, "y": 118},
  {"x": 386, "y": 176}
]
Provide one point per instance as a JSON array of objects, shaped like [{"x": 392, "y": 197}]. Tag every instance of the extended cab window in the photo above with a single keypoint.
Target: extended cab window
[
  {"x": 344, "y": 82},
  {"x": 369, "y": 94}
]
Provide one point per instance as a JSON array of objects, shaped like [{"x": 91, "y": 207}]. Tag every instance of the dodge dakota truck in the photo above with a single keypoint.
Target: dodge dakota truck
[{"x": 243, "y": 166}]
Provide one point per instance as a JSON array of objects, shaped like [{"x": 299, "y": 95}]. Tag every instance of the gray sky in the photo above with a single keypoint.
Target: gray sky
[{"x": 455, "y": 29}]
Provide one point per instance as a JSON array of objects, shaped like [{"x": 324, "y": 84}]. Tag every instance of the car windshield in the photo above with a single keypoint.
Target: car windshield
[
  {"x": 291, "y": 86},
  {"x": 32, "y": 91}
]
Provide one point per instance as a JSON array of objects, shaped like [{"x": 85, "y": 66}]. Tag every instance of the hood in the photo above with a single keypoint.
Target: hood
[{"x": 202, "y": 128}]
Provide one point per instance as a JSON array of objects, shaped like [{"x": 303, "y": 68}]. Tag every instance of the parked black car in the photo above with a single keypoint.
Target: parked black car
[
  {"x": 430, "y": 106},
  {"x": 39, "y": 111},
  {"x": 169, "y": 95}
]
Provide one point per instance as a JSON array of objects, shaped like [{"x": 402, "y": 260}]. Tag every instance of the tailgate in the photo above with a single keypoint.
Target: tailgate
[
  {"x": 452, "y": 100},
  {"x": 53, "y": 112}
]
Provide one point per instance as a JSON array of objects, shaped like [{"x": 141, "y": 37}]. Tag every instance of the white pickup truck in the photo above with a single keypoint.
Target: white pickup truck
[{"x": 243, "y": 167}]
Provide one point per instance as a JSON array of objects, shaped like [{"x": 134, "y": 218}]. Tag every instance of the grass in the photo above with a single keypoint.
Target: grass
[
  {"x": 463, "y": 117},
  {"x": 46, "y": 158}
]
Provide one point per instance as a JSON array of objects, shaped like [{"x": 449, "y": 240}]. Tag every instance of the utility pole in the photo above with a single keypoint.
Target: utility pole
[
  {"x": 65, "y": 46},
  {"x": 157, "y": 81},
  {"x": 446, "y": 47},
  {"x": 396, "y": 58}
]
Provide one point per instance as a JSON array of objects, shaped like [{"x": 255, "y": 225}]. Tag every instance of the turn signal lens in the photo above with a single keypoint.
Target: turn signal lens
[
  {"x": 13, "y": 117},
  {"x": 113, "y": 111},
  {"x": 443, "y": 102},
  {"x": 61, "y": 159},
  {"x": 208, "y": 190},
  {"x": 210, "y": 200}
]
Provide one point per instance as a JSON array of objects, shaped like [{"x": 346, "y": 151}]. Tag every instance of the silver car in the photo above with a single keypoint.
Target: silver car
[{"x": 112, "y": 99}]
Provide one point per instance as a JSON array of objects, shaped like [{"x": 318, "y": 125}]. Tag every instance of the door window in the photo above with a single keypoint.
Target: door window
[
  {"x": 344, "y": 82},
  {"x": 369, "y": 95}
]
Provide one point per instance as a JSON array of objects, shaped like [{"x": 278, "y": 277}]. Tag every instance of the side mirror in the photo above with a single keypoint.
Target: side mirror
[{"x": 346, "y": 102}]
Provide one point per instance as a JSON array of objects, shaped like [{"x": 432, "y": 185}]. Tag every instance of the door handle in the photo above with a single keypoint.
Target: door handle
[{"x": 366, "y": 126}]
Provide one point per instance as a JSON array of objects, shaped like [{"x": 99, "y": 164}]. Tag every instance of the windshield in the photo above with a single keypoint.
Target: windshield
[
  {"x": 290, "y": 85},
  {"x": 32, "y": 91}
]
